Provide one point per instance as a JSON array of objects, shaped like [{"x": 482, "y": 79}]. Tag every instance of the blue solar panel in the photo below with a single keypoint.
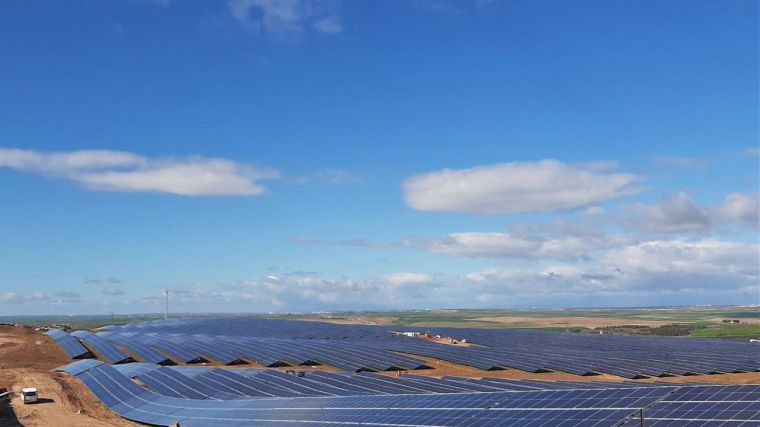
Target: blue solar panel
[
  {"x": 102, "y": 347},
  {"x": 549, "y": 408},
  {"x": 73, "y": 348},
  {"x": 169, "y": 382},
  {"x": 372, "y": 348},
  {"x": 76, "y": 368},
  {"x": 699, "y": 405},
  {"x": 145, "y": 352}
]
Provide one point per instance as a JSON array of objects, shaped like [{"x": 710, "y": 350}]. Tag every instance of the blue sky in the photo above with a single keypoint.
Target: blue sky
[{"x": 285, "y": 155}]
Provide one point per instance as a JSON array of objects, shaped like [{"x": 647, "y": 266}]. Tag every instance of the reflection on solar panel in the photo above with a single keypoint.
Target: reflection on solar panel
[
  {"x": 717, "y": 405},
  {"x": 73, "y": 348},
  {"x": 145, "y": 352},
  {"x": 377, "y": 348},
  {"x": 662, "y": 405},
  {"x": 103, "y": 347},
  {"x": 171, "y": 383}
]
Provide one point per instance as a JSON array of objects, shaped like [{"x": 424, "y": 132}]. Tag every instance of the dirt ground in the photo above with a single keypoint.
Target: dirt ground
[
  {"x": 561, "y": 322},
  {"x": 26, "y": 358}
]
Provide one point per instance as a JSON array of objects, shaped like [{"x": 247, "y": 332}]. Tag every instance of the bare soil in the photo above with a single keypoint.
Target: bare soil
[
  {"x": 561, "y": 322},
  {"x": 26, "y": 361}
]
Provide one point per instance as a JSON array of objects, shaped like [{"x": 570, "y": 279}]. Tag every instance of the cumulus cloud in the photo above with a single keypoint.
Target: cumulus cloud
[
  {"x": 407, "y": 278},
  {"x": 651, "y": 272},
  {"x": 307, "y": 292},
  {"x": 544, "y": 186},
  {"x": 648, "y": 272},
  {"x": 675, "y": 264},
  {"x": 519, "y": 242},
  {"x": 650, "y": 268},
  {"x": 287, "y": 19},
  {"x": 681, "y": 214},
  {"x": 670, "y": 214},
  {"x": 106, "y": 170},
  {"x": 742, "y": 208}
]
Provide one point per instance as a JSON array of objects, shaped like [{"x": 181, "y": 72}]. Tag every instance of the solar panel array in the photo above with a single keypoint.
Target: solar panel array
[
  {"x": 608, "y": 406},
  {"x": 376, "y": 348},
  {"x": 225, "y": 384},
  {"x": 713, "y": 406},
  {"x": 69, "y": 344},
  {"x": 583, "y": 354},
  {"x": 103, "y": 347}
]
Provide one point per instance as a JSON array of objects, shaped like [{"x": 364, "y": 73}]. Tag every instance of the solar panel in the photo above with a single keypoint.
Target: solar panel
[
  {"x": 365, "y": 347},
  {"x": 73, "y": 348},
  {"x": 603, "y": 407},
  {"x": 103, "y": 347},
  {"x": 80, "y": 366},
  {"x": 699, "y": 405},
  {"x": 169, "y": 382},
  {"x": 143, "y": 351}
]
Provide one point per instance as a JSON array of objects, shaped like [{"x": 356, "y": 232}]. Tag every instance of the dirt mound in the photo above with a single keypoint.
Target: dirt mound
[
  {"x": 64, "y": 400},
  {"x": 29, "y": 349}
]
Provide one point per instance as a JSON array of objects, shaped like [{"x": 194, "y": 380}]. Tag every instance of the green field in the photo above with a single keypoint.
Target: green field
[{"x": 729, "y": 332}]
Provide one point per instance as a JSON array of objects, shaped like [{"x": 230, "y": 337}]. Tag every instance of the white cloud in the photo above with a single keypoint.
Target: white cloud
[
  {"x": 112, "y": 292},
  {"x": 654, "y": 272},
  {"x": 544, "y": 186},
  {"x": 106, "y": 170},
  {"x": 656, "y": 268},
  {"x": 286, "y": 19},
  {"x": 407, "y": 278},
  {"x": 329, "y": 25},
  {"x": 520, "y": 242},
  {"x": 752, "y": 152},
  {"x": 743, "y": 208},
  {"x": 673, "y": 214},
  {"x": 21, "y": 297},
  {"x": 675, "y": 264}
]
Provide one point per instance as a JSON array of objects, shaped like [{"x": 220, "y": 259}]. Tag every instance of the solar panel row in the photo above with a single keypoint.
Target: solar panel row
[
  {"x": 718, "y": 405},
  {"x": 215, "y": 383},
  {"x": 103, "y": 347},
  {"x": 73, "y": 348},
  {"x": 364, "y": 347},
  {"x": 591, "y": 407}
]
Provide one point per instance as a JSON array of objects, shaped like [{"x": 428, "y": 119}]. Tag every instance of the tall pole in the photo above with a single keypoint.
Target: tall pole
[{"x": 166, "y": 309}]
